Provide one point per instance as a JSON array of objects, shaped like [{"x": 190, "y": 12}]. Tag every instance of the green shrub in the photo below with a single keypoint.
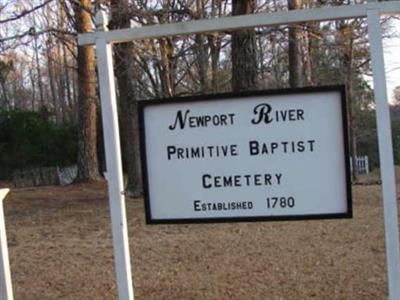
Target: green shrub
[{"x": 29, "y": 140}]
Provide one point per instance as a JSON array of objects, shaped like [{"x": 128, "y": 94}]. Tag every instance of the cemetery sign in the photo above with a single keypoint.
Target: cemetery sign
[{"x": 245, "y": 157}]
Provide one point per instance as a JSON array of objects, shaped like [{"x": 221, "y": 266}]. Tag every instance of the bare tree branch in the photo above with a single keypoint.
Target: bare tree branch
[
  {"x": 25, "y": 12},
  {"x": 29, "y": 33}
]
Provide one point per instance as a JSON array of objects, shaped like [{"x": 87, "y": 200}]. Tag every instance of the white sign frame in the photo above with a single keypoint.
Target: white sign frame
[
  {"x": 103, "y": 39},
  {"x": 6, "y": 289},
  {"x": 161, "y": 172}
]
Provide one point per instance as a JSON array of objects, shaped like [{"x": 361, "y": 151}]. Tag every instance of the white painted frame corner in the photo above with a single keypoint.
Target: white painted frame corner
[
  {"x": 103, "y": 40},
  {"x": 6, "y": 292}
]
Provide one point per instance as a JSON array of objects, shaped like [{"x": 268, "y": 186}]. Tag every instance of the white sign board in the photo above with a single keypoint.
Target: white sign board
[{"x": 265, "y": 155}]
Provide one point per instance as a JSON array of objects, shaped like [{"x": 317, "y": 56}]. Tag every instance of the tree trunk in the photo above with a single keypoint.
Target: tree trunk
[
  {"x": 4, "y": 91},
  {"x": 39, "y": 73},
  {"x": 70, "y": 98},
  {"x": 244, "y": 63},
  {"x": 214, "y": 41},
  {"x": 50, "y": 70},
  {"x": 32, "y": 79},
  {"x": 347, "y": 54},
  {"x": 3, "y": 86},
  {"x": 309, "y": 56},
  {"x": 215, "y": 50},
  {"x": 51, "y": 66},
  {"x": 295, "y": 56},
  {"x": 202, "y": 62},
  {"x": 167, "y": 67},
  {"x": 61, "y": 74},
  {"x": 201, "y": 51},
  {"x": 88, "y": 169},
  {"x": 75, "y": 89},
  {"x": 128, "y": 103}
]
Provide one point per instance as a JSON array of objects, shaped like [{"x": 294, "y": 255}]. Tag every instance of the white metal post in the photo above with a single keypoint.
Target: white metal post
[
  {"x": 366, "y": 160},
  {"x": 113, "y": 160},
  {"x": 385, "y": 154},
  {"x": 5, "y": 275}
]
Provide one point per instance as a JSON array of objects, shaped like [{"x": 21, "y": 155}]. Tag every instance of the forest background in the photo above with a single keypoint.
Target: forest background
[{"x": 49, "y": 100}]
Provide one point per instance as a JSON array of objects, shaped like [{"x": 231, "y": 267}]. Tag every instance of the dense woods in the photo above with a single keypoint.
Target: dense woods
[{"x": 42, "y": 69}]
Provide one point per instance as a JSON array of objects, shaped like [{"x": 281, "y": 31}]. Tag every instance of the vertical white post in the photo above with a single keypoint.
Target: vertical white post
[
  {"x": 385, "y": 154},
  {"x": 5, "y": 276},
  {"x": 366, "y": 164},
  {"x": 113, "y": 160}
]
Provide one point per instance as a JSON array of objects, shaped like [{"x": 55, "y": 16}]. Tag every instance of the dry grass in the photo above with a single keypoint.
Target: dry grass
[{"x": 60, "y": 248}]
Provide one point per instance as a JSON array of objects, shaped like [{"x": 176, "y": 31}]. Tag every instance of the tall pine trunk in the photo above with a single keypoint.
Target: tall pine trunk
[
  {"x": 244, "y": 62},
  {"x": 124, "y": 71},
  {"x": 295, "y": 55},
  {"x": 88, "y": 168},
  {"x": 347, "y": 55},
  {"x": 215, "y": 43},
  {"x": 39, "y": 72},
  {"x": 201, "y": 51},
  {"x": 50, "y": 70}
]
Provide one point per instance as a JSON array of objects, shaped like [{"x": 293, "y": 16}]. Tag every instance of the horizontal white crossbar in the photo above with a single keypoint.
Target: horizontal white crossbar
[{"x": 239, "y": 22}]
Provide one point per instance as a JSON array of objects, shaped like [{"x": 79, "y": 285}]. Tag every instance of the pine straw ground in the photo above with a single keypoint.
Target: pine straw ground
[{"x": 60, "y": 248}]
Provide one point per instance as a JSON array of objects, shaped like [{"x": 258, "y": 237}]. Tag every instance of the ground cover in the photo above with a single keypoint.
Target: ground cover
[{"x": 60, "y": 248}]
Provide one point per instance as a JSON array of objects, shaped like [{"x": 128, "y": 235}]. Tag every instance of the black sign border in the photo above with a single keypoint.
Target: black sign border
[{"x": 142, "y": 104}]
